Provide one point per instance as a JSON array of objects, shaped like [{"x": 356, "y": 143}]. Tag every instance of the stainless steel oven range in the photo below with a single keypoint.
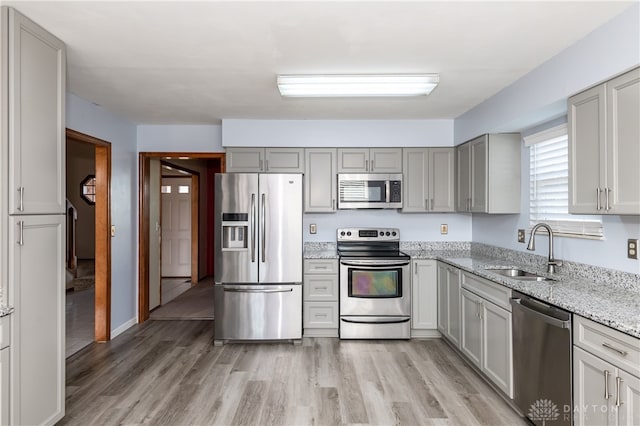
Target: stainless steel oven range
[{"x": 375, "y": 284}]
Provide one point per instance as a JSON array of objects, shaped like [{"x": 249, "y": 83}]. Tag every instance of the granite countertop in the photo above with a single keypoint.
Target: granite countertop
[
  {"x": 5, "y": 310},
  {"x": 602, "y": 302}
]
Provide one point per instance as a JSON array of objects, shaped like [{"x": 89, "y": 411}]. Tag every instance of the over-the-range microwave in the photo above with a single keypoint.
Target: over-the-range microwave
[{"x": 369, "y": 191}]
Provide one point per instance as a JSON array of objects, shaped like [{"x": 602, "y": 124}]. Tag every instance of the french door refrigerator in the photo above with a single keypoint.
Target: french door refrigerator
[{"x": 258, "y": 256}]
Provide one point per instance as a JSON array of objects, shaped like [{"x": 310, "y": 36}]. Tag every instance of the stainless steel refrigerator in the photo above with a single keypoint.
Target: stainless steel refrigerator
[{"x": 258, "y": 256}]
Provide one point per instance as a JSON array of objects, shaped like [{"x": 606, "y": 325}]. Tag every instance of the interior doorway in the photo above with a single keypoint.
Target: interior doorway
[
  {"x": 88, "y": 240},
  {"x": 200, "y": 169}
]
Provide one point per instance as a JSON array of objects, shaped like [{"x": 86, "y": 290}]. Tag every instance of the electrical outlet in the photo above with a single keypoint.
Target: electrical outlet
[
  {"x": 444, "y": 229},
  {"x": 313, "y": 228},
  {"x": 521, "y": 235},
  {"x": 632, "y": 248}
]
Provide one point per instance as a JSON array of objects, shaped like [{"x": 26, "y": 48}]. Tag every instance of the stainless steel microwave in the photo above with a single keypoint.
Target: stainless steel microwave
[{"x": 370, "y": 191}]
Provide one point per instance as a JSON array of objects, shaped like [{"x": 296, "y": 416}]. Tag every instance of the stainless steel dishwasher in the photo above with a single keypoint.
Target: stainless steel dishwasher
[{"x": 542, "y": 360}]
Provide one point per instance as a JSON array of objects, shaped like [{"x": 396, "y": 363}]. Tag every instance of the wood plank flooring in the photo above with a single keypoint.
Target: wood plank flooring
[{"x": 169, "y": 373}]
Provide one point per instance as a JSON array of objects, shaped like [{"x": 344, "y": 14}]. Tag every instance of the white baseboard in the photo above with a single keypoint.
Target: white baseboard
[
  {"x": 415, "y": 333},
  {"x": 124, "y": 327}
]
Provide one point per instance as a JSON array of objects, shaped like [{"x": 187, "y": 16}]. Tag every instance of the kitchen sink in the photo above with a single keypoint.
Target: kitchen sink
[{"x": 519, "y": 274}]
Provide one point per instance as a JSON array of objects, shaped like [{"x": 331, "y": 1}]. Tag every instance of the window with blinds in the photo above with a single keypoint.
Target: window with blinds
[{"x": 549, "y": 186}]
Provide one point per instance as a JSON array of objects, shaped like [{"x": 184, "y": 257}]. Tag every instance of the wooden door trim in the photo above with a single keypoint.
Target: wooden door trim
[
  {"x": 143, "y": 220},
  {"x": 102, "y": 232}
]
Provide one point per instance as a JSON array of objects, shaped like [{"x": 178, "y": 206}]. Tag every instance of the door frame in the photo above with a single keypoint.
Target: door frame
[
  {"x": 102, "y": 232},
  {"x": 143, "y": 219}
]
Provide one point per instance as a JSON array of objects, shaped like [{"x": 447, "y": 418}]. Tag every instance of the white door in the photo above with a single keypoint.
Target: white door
[
  {"x": 424, "y": 295},
  {"x": 497, "y": 360},
  {"x": 471, "y": 336},
  {"x": 628, "y": 398},
  {"x": 154, "y": 233},
  {"x": 593, "y": 389},
  {"x": 176, "y": 227},
  {"x": 37, "y": 290}
]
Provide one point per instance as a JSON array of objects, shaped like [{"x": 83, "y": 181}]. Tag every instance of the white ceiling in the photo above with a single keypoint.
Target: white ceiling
[{"x": 199, "y": 62}]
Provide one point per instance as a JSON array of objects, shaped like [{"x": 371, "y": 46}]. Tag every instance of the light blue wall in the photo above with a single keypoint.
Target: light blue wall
[
  {"x": 93, "y": 120},
  {"x": 337, "y": 133},
  {"x": 541, "y": 96},
  {"x": 173, "y": 138}
]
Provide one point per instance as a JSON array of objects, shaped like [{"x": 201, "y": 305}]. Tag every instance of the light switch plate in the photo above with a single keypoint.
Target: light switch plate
[
  {"x": 444, "y": 229},
  {"x": 632, "y": 248},
  {"x": 113, "y": 230},
  {"x": 521, "y": 235},
  {"x": 313, "y": 228}
]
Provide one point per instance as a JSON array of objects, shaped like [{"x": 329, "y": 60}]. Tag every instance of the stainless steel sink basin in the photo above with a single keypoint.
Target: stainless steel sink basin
[{"x": 519, "y": 274}]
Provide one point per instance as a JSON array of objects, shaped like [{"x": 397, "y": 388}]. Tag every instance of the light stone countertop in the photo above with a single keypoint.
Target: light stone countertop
[
  {"x": 5, "y": 310},
  {"x": 601, "y": 297}
]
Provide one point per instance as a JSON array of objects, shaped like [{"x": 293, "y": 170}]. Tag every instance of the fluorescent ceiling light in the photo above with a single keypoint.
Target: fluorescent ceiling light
[{"x": 357, "y": 85}]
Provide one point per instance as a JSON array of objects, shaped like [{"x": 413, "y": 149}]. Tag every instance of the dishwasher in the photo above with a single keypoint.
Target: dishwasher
[{"x": 542, "y": 366}]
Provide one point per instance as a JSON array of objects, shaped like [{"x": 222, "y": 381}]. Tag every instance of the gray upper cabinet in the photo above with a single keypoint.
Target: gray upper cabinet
[
  {"x": 270, "y": 160},
  {"x": 429, "y": 183},
  {"x": 369, "y": 160},
  {"x": 488, "y": 169},
  {"x": 36, "y": 81},
  {"x": 604, "y": 130},
  {"x": 320, "y": 180}
]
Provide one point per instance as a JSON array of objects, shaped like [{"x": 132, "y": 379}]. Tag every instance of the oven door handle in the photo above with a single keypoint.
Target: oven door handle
[
  {"x": 375, "y": 263},
  {"x": 377, "y": 321}
]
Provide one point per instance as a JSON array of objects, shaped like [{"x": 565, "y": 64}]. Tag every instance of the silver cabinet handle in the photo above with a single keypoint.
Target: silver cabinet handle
[
  {"x": 618, "y": 402},
  {"x": 620, "y": 351},
  {"x": 607, "y": 191},
  {"x": 266, "y": 165},
  {"x": 426, "y": 204},
  {"x": 373, "y": 167},
  {"x": 21, "y": 233},
  {"x": 598, "y": 205},
  {"x": 324, "y": 287},
  {"x": 607, "y": 395},
  {"x": 366, "y": 165},
  {"x": 260, "y": 164},
  {"x": 432, "y": 204},
  {"x": 264, "y": 225},
  {"x": 253, "y": 227},
  {"x": 333, "y": 204},
  {"x": 21, "y": 201}
]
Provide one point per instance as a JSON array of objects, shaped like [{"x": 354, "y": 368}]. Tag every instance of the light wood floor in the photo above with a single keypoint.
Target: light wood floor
[{"x": 169, "y": 373}]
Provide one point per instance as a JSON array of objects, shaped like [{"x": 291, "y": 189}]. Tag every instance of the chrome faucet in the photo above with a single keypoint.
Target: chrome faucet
[{"x": 552, "y": 264}]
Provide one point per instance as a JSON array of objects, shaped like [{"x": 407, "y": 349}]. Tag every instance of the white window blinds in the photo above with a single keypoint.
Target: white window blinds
[{"x": 549, "y": 186}]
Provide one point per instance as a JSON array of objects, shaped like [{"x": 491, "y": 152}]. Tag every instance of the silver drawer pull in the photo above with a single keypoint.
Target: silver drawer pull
[
  {"x": 324, "y": 287},
  {"x": 321, "y": 315},
  {"x": 620, "y": 351}
]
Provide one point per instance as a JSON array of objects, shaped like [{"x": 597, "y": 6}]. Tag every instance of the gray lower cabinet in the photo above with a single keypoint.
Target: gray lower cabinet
[
  {"x": 320, "y": 184},
  {"x": 486, "y": 329},
  {"x": 606, "y": 375},
  {"x": 449, "y": 303},
  {"x": 269, "y": 160},
  {"x": 320, "y": 298},
  {"x": 424, "y": 298},
  {"x": 604, "y": 130},
  {"x": 429, "y": 180},
  {"x": 488, "y": 170},
  {"x": 5, "y": 337}
]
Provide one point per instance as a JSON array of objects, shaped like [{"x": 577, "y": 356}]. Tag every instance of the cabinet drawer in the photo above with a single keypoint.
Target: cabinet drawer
[
  {"x": 320, "y": 315},
  {"x": 493, "y": 292},
  {"x": 317, "y": 288},
  {"x": 5, "y": 337},
  {"x": 615, "y": 347},
  {"x": 321, "y": 266}
]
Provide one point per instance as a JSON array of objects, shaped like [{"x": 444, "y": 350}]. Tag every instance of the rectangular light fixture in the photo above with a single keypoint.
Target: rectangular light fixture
[{"x": 367, "y": 85}]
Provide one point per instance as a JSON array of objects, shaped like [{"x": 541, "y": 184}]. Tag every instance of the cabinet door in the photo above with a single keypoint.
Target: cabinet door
[
  {"x": 497, "y": 360},
  {"x": 245, "y": 160},
  {"x": 386, "y": 160},
  {"x": 353, "y": 160},
  {"x": 471, "y": 338},
  {"x": 443, "y": 305},
  {"x": 4, "y": 386},
  {"x": 623, "y": 143},
  {"x": 453, "y": 298},
  {"x": 479, "y": 157},
  {"x": 284, "y": 160},
  {"x": 37, "y": 290},
  {"x": 320, "y": 180},
  {"x": 629, "y": 399},
  {"x": 463, "y": 155},
  {"x": 586, "y": 117},
  {"x": 36, "y": 119},
  {"x": 424, "y": 295},
  {"x": 416, "y": 181},
  {"x": 442, "y": 181},
  {"x": 592, "y": 379}
]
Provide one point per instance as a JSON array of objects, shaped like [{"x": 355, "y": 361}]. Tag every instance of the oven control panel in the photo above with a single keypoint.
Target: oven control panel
[{"x": 368, "y": 234}]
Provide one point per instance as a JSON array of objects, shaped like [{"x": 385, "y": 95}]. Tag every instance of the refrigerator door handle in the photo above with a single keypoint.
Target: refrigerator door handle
[
  {"x": 263, "y": 230},
  {"x": 255, "y": 290},
  {"x": 253, "y": 228}
]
